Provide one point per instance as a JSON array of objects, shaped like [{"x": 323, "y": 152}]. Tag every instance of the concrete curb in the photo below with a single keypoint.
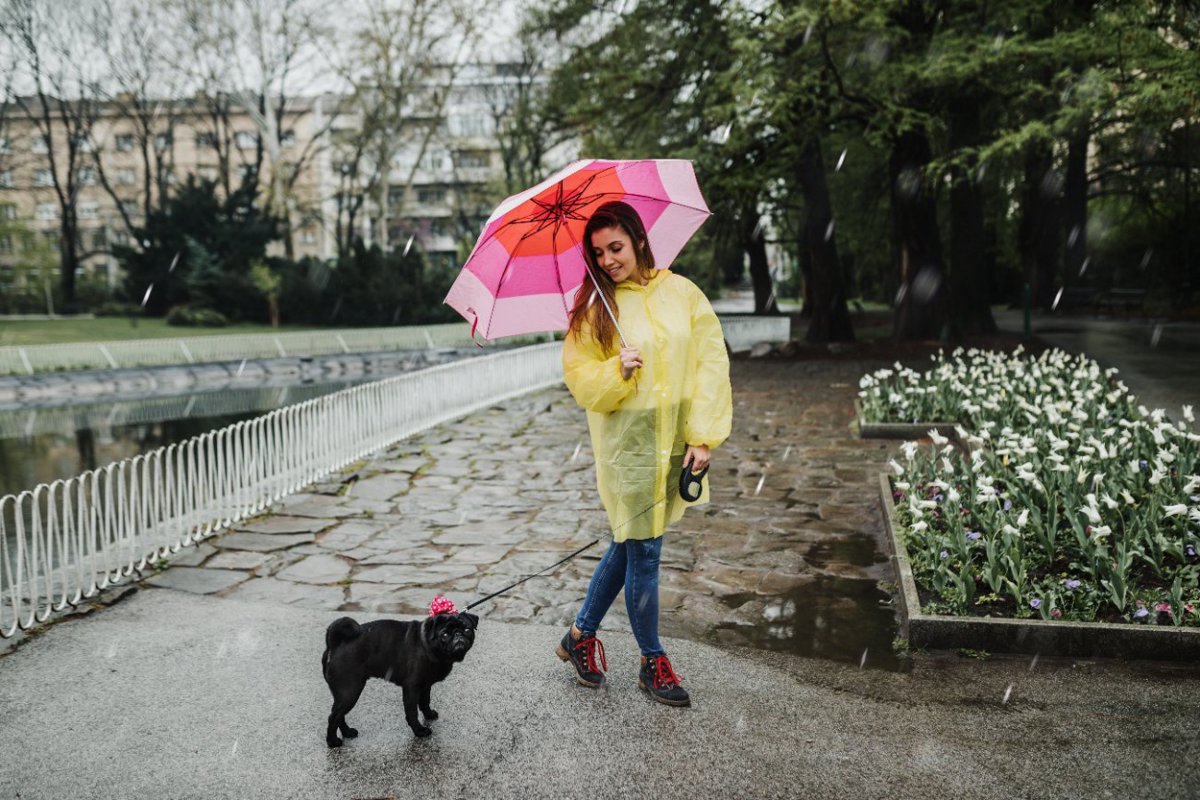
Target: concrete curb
[{"x": 997, "y": 635}]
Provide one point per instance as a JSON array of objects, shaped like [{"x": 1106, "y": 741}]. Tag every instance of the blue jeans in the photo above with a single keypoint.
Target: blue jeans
[{"x": 632, "y": 564}]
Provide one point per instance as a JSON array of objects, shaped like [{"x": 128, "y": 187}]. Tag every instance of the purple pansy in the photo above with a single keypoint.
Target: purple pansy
[
  {"x": 1141, "y": 613},
  {"x": 1190, "y": 550},
  {"x": 1007, "y": 505},
  {"x": 1071, "y": 583},
  {"x": 1035, "y": 603},
  {"x": 973, "y": 536},
  {"x": 944, "y": 554}
]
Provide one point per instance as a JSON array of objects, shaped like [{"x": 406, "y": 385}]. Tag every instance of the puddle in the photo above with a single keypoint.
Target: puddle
[
  {"x": 859, "y": 550},
  {"x": 831, "y": 617}
]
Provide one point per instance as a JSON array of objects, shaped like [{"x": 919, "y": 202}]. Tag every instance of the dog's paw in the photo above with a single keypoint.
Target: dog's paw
[
  {"x": 422, "y": 731},
  {"x": 429, "y": 713},
  {"x": 334, "y": 742},
  {"x": 349, "y": 733}
]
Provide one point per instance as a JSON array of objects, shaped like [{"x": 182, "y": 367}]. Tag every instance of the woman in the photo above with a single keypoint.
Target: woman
[{"x": 654, "y": 404}]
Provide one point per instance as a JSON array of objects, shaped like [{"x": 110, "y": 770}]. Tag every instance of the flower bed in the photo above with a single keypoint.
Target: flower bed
[{"x": 1068, "y": 502}]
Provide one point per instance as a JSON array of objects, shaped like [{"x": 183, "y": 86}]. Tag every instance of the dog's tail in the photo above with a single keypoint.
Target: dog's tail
[{"x": 340, "y": 631}]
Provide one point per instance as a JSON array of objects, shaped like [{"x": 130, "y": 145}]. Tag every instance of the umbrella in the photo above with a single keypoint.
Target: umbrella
[{"x": 524, "y": 271}]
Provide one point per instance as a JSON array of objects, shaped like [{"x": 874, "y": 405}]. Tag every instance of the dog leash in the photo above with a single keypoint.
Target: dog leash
[{"x": 689, "y": 490}]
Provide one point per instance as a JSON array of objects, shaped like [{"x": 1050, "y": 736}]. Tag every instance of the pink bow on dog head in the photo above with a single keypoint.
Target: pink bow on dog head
[{"x": 441, "y": 605}]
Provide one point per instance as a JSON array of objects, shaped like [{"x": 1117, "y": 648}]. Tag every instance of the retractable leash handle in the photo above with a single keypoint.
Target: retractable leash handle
[{"x": 688, "y": 480}]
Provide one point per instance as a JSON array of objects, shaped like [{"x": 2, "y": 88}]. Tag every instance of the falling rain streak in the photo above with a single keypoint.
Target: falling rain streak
[
  {"x": 863, "y": 661},
  {"x": 829, "y": 231},
  {"x": 758, "y": 488},
  {"x": 1007, "y": 694},
  {"x": 786, "y": 450},
  {"x": 578, "y": 447},
  {"x": 146, "y": 296},
  {"x": 408, "y": 245},
  {"x": 841, "y": 160},
  {"x": 1057, "y": 297},
  {"x": 1156, "y": 335}
]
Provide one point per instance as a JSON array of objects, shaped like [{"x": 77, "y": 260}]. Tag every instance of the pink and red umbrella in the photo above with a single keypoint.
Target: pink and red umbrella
[{"x": 524, "y": 271}]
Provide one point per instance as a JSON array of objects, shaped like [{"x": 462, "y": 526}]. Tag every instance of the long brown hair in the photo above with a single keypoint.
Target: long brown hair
[{"x": 615, "y": 214}]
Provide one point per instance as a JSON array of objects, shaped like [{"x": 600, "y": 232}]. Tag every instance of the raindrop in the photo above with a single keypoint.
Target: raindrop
[
  {"x": 1083, "y": 268},
  {"x": 1154, "y": 337},
  {"x": 408, "y": 245},
  {"x": 645, "y": 598},
  {"x": 757, "y": 229},
  {"x": 146, "y": 297},
  {"x": 387, "y": 676},
  {"x": 841, "y": 160},
  {"x": 233, "y": 752},
  {"x": 1073, "y": 236},
  {"x": 1146, "y": 258},
  {"x": 112, "y": 650},
  {"x": 241, "y": 367},
  {"x": 998, "y": 42},
  {"x": 575, "y": 455},
  {"x": 863, "y": 661},
  {"x": 902, "y": 293},
  {"x": 174, "y": 262},
  {"x": 145, "y": 242},
  {"x": 1052, "y": 183},
  {"x": 926, "y": 284},
  {"x": 829, "y": 231},
  {"x": 786, "y": 450},
  {"x": 1007, "y": 693},
  {"x": 1057, "y": 297},
  {"x": 1033, "y": 663},
  {"x": 908, "y": 182},
  {"x": 758, "y": 488},
  {"x": 808, "y": 33},
  {"x": 979, "y": 173},
  {"x": 723, "y": 133}
]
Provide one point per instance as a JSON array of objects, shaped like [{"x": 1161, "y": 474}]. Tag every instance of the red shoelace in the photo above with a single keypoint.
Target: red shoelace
[
  {"x": 664, "y": 676},
  {"x": 590, "y": 646}
]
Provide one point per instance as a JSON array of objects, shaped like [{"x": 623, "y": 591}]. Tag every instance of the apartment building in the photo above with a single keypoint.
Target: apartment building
[{"x": 440, "y": 190}]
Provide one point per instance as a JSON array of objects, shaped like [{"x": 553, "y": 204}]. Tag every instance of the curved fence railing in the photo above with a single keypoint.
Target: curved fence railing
[{"x": 63, "y": 542}]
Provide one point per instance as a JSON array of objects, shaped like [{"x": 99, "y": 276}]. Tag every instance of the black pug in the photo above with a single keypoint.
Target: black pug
[{"x": 412, "y": 655}]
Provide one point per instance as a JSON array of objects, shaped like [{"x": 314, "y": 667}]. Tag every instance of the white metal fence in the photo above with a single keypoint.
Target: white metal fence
[{"x": 63, "y": 542}]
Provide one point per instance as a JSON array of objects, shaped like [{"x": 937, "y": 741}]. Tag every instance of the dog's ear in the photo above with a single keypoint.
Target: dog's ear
[{"x": 471, "y": 618}]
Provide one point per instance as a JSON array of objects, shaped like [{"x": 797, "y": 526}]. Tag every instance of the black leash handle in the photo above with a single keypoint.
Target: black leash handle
[{"x": 689, "y": 479}]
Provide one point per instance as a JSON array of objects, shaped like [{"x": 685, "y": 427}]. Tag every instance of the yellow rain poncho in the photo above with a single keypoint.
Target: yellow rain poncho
[{"x": 641, "y": 427}]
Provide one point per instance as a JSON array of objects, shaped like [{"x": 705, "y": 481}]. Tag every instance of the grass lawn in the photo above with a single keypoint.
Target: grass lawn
[{"x": 60, "y": 331}]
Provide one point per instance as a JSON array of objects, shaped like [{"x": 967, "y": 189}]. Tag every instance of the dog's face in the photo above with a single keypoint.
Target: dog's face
[{"x": 450, "y": 636}]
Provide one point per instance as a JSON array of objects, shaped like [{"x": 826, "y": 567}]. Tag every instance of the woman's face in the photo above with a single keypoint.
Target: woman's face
[{"x": 615, "y": 253}]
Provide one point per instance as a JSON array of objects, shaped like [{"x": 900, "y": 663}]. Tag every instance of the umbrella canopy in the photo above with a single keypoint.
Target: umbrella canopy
[{"x": 524, "y": 271}]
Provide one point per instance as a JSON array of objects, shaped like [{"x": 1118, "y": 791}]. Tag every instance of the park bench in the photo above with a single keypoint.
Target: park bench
[{"x": 1076, "y": 297}]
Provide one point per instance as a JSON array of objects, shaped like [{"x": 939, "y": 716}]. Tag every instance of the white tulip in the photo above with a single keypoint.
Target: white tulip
[
  {"x": 1023, "y": 518},
  {"x": 1175, "y": 510}
]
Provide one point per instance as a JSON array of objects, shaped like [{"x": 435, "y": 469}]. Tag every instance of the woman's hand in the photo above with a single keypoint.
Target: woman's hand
[
  {"x": 631, "y": 359},
  {"x": 698, "y": 455}
]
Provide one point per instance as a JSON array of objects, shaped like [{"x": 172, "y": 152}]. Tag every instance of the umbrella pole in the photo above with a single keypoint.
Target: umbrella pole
[{"x": 603, "y": 300}]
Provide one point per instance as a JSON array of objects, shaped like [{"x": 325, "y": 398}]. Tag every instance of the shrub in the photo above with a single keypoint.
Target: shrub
[{"x": 196, "y": 317}]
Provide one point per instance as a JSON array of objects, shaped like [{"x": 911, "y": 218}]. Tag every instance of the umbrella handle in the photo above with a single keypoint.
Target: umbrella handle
[{"x": 603, "y": 300}]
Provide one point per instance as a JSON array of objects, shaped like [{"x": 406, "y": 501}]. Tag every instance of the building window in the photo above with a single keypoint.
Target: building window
[
  {"x": 246, "y": 139},
  {"x": 206, "y": 141},
  {"x": 87, "y": 176},
  {"x": 5, "y": 146},
  {"x": 99, "y": 239},
  {"x": 207, "y": 173},
  {"x": 469, "y": 125},
  {"x": 308, "y": 236},
  {"x": 470, "y": 159},
  {"x": 163, "y": 141},
  {"x": 8, "y": 210},
  {"x": 83, "y": 143},
  {"x": 43, "y": 177},
  {"x": 47, "y": 211},
  {"x": 40, "y": 144},
  {"x": 433, "y": 162},
  {"x": 89, "y": 210},
  {"x": 6, "y": 179},
  {"x": 6, "y": 244},
  {"x": 52, "y": 238},
  {"x": 124, "y": 142},
  {"x": 126, "y": 177},
  {"x": 429, "y": 197},
  {"x": 247, "y": 172},
  {"x": 287, "y": 138},
  {"x": 130, "y": 207}
]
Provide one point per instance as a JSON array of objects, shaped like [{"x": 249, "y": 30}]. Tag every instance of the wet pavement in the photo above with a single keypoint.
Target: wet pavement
[{"x": 788, "y": 556}]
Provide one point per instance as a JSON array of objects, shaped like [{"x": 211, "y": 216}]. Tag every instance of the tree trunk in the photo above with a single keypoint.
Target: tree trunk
[
  {"x": 1075, "y": 210},
  {"x": 922, "y": 307},
  {"x": 970, "y": 279},
  {"x": 826, "y": 293},
  {"x": 1038, "y": 231},
  {"x": 754, "y": 241}
]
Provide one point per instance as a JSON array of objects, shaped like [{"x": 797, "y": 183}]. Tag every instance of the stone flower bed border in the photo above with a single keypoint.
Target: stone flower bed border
[
  {"x": 1033, "y": 636},
  {"x": 899, "y": 430}
]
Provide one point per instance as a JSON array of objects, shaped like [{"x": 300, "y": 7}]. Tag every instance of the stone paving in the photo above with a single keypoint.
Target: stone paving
[{"x": 787, "y": 556}]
